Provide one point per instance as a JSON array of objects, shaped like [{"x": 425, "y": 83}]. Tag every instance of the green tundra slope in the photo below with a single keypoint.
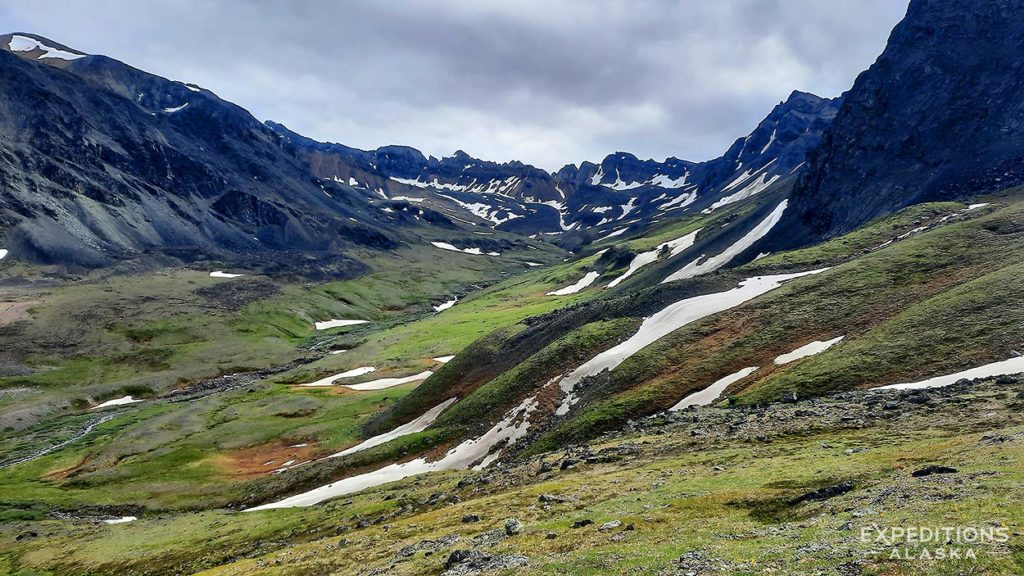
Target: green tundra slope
[
  {"x": 720, "y": 491},
  {"x": 930, "y": 290}
]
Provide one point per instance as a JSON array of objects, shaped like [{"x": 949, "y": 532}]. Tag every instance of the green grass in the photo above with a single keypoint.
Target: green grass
[
  {"x": 937, "y": 302},
  {"x": 722, "y": 496}
]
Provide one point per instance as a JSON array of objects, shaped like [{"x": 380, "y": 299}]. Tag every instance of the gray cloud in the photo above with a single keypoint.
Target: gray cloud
[{"x": 543, "y": 81}]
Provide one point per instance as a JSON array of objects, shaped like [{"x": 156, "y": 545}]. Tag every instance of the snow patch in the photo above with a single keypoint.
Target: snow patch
[
  {"x": 451, "y": 248},
  {"x": 382, "y": 383},
  {"x": 443, "y": 359},
  {"x": 1011, "y": 366},
  {"x": 681, "y": 201},
  {"x": 25, "y": 44},
  {"x": 329, "y": 380},
  {"x": 708, "y": 395},
  {"x": 117, "y": 402},
  {"x": 3, "y": 253},
  {"x": 703, "y": 266},
  {"x": 614, "y": 233},
  {"x": 446, "y": 305},
  {"x": 334, "y": 323},
  {"x": 176, "y": 108},
  {"x": 644, "y": 258},
  {"x": 666, "y": 321},
  {"x": 816, "y": 347},
  {"x": 579, "y": 285},
  {"x": 751, "y": 189},
  {"x": 663, "y": 181},
  {"x": 627, "y": 208},
  {"x": 222, "y": 274},
  {"x": 418, "y": 425},
  {"x": 121, "y": 520},
  {"x": 506, "y": 432}
]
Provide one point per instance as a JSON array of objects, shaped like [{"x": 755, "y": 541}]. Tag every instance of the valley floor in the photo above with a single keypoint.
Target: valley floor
[{"x": 797, "y": 488}]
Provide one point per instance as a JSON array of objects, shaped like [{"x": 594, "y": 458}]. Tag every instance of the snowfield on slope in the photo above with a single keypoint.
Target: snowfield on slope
[
  {"x": 446, "y": 305},
  {"x": 452, "y": 248},
  {"x": 666, "y": 321},
  {"x": 382, "y": 383},
  {"x": 1002, "y": 368},
  {"x": 676, "y": 246},
  {"x": 580, "y": 284},
  {"x": 333, "y": 323},
  {"x": 26, "y": 44},
  {"x": 701, "y": 265},
  {"x": 117, "y": 402},
  {"x": 329, "y": 380},
  {"x": 418, "y": 425},
  {"x": 506, "y": 432},
  {"x": 708, "y": 395},
  {"x": 816, "y": 347}
]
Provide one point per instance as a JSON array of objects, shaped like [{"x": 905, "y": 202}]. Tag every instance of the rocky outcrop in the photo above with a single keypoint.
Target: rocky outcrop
[{"x": 937, "y": 116}]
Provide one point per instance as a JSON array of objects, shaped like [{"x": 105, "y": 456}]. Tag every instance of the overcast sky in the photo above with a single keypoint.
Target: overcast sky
[{"x": 546, "y": 82}]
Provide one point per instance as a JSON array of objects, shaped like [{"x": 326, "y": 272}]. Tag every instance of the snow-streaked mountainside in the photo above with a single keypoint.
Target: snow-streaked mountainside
[
  {"x": 103, "y": 162},
  {"x": 581, "y": 203}
]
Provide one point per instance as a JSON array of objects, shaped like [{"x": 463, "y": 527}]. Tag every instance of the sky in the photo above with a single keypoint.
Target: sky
[{"x": 546, "y": 82}]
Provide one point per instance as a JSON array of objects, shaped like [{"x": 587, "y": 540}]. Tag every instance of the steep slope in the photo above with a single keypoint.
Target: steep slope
[
  {"x": 937, "y": 116},
  {"x": 100, "y": 161}
]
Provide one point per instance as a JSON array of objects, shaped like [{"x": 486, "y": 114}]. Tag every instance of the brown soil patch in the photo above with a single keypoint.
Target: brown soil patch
[
  {"x": 63, "y": 473},
  {"x": 14, "y": 311},
  {"x": 261, "y": 460}
]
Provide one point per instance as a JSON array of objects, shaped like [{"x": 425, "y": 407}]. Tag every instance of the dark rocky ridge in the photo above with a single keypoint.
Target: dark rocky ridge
[
  {"x": 100, "y": 161},
  {"x": 579, "y": 202},
  {"x": 937, "y": 116}
]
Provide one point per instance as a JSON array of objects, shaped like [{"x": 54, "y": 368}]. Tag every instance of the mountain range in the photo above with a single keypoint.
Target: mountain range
[
  {"x": 104, "y": 162},
  {"x": 227, "y": 348}
]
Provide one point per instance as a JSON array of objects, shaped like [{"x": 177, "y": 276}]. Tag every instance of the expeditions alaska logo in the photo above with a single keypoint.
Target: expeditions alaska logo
[{"x": 932, "y": 542}]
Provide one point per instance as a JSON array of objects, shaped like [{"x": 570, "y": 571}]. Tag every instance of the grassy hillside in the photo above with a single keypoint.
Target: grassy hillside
[{"x": 715, "y": 492}]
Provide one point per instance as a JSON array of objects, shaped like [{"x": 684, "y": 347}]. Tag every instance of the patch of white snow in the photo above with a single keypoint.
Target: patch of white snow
[
  {"x": 382, "y": 383},
  {"x": 666, "y": 321},
  {"x": 1011, "y": 366},
  {"x": 708, "y": 395},
  {"x": 418, "y": 425},
  {"x": 333, "y": 323},
  {"x": 701, "y": 265},
  {"x": 580, "y": 284},
  {"x": 816, "y": 347},
  {"x": 117, "y": 402}
]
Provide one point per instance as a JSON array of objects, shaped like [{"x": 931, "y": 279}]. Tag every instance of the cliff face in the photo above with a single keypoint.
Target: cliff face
[{"x": 939, "y": 115}]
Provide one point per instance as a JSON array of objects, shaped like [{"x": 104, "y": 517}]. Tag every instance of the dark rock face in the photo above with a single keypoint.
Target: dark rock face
[
  {"x": 933, "y": 469},
  {"x": 100, "y": 161},
  {"x": 939, "y": 115}
]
